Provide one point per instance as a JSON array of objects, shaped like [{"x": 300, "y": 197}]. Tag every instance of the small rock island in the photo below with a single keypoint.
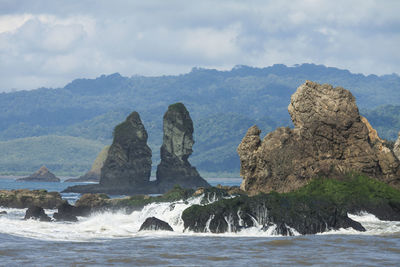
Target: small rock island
[{"x": 42, "y": 175}]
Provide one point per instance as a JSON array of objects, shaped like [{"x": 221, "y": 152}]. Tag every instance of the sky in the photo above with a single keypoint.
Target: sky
[{"x": 48, "y": 43}]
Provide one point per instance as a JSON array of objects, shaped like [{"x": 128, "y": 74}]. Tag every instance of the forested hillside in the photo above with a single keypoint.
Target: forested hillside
[{"x": 223, "y": 105}]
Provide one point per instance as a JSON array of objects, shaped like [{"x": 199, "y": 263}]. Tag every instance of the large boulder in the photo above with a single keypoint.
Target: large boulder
[
  {"x": 329, "y": 138},
  {"x": 154, "y": 224},
  {"x": 396, "y": 148},
  {"x": 24, "y": 198},
  {"x": 41, "y": 175},
  {"x": 66, "y": 212},
  {"x": 174, "y": 168},
  {"x": 94, "y": 174},
  {"x": 37, "y": 213}
]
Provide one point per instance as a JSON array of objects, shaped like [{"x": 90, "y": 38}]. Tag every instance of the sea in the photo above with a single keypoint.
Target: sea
[{"x": 113, "y": 239}]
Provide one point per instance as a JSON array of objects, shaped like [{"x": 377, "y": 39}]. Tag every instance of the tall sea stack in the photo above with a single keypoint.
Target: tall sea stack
[
  {"x": 174, "y": 167},
  {"x": 330, "y": 138},
  {"x": 128, "y": 162}
]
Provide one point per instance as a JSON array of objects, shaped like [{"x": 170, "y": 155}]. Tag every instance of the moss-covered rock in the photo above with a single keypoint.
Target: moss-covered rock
[
  {"x": 23, "y": 198},
  {"x": 321, "y": 205}
]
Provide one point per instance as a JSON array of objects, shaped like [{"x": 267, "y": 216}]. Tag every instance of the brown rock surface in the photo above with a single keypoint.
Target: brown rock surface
[
  {"x": 24, "y": 198},
  {"x": 329, "y": 138}
]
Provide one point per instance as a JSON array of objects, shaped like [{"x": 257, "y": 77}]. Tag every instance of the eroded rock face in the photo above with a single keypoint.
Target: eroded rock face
[
  {"x": 128, "y": 162},
  {"x": 174, "y": 167},
  {"x": 329, "y": 138},
  {"x": 42, "y": 175},
  {"x": 396, "y": 148}
]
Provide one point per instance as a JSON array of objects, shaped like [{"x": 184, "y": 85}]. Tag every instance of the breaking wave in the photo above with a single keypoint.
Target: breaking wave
[{"x": 111, "y": 225}]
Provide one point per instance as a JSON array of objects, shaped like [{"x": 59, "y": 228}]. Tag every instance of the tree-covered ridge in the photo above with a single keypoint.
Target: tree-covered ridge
[{"x": 222, "y": 104}]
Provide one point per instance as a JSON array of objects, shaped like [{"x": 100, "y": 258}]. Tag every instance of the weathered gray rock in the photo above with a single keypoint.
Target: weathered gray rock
[
  {"x": 329, "y": 138},
  {"x": 128, "y": 162},
  {"x": 396, "y": 148},
  {"x": 174, "y": 167},
  {"x": 42, "y": 175},
  {"x": 94, "y": 174}
]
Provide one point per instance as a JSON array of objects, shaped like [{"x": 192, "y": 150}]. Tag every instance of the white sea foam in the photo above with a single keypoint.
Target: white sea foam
[
  {"x": 372, "y": 225},
  {"x": 120, "y": 225}
]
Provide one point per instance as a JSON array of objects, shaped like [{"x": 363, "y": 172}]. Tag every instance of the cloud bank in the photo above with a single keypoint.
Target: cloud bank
[{"x": 49, "y": 43}]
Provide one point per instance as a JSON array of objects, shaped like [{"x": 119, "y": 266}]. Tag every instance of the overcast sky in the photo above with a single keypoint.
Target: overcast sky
[{"x": 49, "y": 43}]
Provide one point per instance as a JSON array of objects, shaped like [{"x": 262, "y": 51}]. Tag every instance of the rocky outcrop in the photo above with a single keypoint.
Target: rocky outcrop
[
  {"x": 329, "y": 138},
  {"x": 37, "y": 213},
  {"x": 94, "y": 174},
  {"x": 174, "y": 168},
  {"x": 154, "y": 224},
  {"x": 128, "y": 162},
  {"x": 275, "y": 213},
  {"x": 42, "y": 175},
  {"x": 23, "y": 198},
  {"x": 127, "y": 167},
  {"x": 67, "y": 212},
  {"x": 396, "y": 148}
]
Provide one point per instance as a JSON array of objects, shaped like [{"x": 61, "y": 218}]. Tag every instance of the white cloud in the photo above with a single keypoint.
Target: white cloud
[{"x": 49, "y": 43}]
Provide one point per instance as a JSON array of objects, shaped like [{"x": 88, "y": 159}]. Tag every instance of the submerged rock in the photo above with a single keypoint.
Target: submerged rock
[
  {"x": 174, "y": 168},
  {"x": 42, "y": 175},
  {"x": 37, "y": 213},
  {"x": 330, "y": 138},
  {"x": 94, "y": 174},
  {"x": 154, "y": 224},
  {"x": 24, "y": 198}
]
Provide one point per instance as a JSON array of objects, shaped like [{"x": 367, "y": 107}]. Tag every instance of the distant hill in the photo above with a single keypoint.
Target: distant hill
[{"x": 222, "y": 104}]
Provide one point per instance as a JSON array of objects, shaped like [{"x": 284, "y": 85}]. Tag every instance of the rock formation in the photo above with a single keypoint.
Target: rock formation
[
  {"x": 276, "y": 213},
  {"x": 396, "y": 148},
  {"x": 329, "y": 138},
  {"x": 127, "y": 167},
  {"x": 42, "y": 175},
  {"x": 174, "y": 167},
  {"x": 154, "y": 224},
  {"x": 128, "y": 162},
  {"x": 94, "y": 174},
  {"x": 37, "y": 213},
  {"x": 24, "y": 198}
]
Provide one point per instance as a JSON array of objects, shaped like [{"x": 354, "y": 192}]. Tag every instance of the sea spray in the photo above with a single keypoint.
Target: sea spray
[{"x": 118, "y": 224}]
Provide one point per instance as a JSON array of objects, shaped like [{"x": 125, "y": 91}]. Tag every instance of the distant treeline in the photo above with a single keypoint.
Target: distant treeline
[{"x": 223, "y": 105}]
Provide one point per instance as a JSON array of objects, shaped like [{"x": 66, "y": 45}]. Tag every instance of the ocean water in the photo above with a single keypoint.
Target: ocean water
[{"x": 113, "y": 239}]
